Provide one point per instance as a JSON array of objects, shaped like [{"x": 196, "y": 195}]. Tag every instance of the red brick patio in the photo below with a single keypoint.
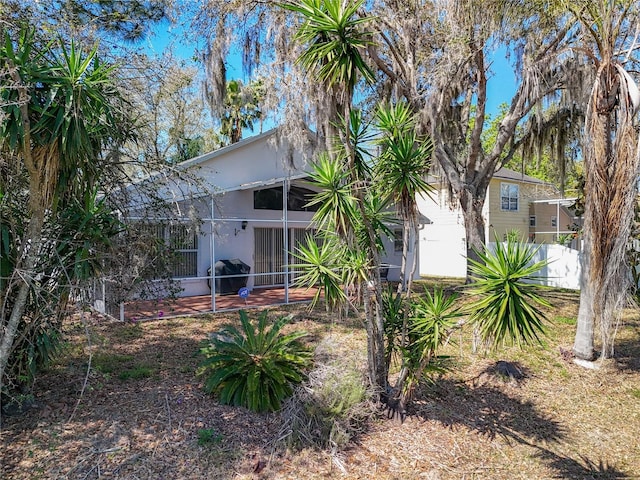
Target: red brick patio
[{"x": 259, "y": 297}]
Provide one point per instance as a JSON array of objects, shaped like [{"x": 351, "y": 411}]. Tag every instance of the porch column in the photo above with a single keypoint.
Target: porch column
[{"x": 285, "y": 236}]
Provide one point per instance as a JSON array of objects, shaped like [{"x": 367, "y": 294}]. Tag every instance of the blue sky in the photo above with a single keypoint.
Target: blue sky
[
  {"x": 500, "y": 88},
  {"x": 502, "y": 85}
]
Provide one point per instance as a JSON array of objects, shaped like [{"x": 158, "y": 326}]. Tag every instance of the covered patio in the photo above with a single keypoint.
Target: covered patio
[{"x": 196, "y": 305}]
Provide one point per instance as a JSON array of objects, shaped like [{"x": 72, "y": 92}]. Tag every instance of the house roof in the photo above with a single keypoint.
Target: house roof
[
  {"x": 224, "y": 150},
  {"x": 507, "y": 174},
  {"x": 504, "y": 174}
]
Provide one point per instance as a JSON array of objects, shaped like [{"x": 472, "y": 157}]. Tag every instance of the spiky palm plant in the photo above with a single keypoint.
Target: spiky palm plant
[
  {"x": 433, "y": 316},
  {"x": 334, "y": 36},
  {"x": 508, "y": 305},
  {"x": 401, "y": 172},
  {"x": 254, "y": 366},
  {"x": 61, "y": 112},
  {"x": 319, "y": 265},
  {"x": 336, "y": 204}
]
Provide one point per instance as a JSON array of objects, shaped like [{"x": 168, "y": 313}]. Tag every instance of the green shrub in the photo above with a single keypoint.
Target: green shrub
[
  {"x": 432, "y": 318},
  {"x": 507, "y": 308},
  {"x": 254, "y": 367},
  {"x": 136, "y": 373}
]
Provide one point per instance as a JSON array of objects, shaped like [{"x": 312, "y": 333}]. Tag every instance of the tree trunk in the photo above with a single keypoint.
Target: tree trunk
[
  {"x": 39, "y": 194},
  {"x": 373, "y": 288},
  {"x": 473, "y": 225},
  {"x": 611, "y": 157},
  {"x": 402, "y": 284},
  {"x": 25, "y": 273},
  {"x": 414, "y": 260}
]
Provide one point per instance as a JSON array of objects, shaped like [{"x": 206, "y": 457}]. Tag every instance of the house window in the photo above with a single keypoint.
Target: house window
[
  {"x": 532, "y": 221},
  {"x": 509, "y": 196},
  {"x": 271, "y": 199},
  {"x": 397, "y": 241},
  {"x": 554, "y": 221},
  {"x": 183, "y": 240},
  {"x": 171, "y": 249}
]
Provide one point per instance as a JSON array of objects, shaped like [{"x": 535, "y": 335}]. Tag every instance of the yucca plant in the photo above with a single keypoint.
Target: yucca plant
[
  {"x": 254, "y": 366},
  {"x": 319, "y": 266},
  {"x": 508, "y": 304},
  {"x": 393, "y": 311},
  {"x": 432, "y": 318}
]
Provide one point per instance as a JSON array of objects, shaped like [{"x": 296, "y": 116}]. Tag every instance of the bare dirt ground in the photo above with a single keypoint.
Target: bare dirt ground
[{"x": 143, "y": 415}]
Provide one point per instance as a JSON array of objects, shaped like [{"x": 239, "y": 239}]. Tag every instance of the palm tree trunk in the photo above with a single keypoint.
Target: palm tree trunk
[
  {"x": 373, "y": 306},
  {"x": 612, "y": 156},
  {"x": 583, "y": 343},
  {"x": 414, "y": 259},
  {"x": 402, "y": 284},
  {"x": 31, "y": 243}
]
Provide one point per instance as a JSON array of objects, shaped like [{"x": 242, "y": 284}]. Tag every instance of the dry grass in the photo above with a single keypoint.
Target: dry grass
[{"x": 560, "y": 421}]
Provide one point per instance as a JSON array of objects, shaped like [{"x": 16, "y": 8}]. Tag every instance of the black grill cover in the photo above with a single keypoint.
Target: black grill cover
[{"x": 230, "y": 285}]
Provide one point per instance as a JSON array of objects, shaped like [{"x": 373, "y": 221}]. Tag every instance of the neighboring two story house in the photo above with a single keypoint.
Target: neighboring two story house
[{"x": 514, "y": 203}]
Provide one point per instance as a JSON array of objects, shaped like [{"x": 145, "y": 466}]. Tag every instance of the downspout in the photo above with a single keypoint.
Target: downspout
[
  {"x": 557, "y": 221},
  {"x": 212, "y": 251}
]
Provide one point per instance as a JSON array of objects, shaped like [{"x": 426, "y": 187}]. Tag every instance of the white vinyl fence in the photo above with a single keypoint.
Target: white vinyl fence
[
  {"x": 563, "y": 269},
  {"x": 448, "y": 259}
]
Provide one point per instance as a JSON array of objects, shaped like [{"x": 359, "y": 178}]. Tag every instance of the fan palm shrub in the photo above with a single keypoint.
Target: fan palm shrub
[
  {"x": 254, "y": 366},
  {"x": 508, "y": 302}
]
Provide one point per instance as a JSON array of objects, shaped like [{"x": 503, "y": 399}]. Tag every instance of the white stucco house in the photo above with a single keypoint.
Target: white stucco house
[{"x": 255, "y": 212}]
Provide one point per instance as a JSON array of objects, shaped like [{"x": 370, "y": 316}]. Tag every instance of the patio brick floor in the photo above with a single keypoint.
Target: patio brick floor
[{"x": 259, "y": 297}]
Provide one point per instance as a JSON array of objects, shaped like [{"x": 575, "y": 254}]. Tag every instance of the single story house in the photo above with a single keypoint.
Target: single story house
[{"x": 255, "y": 212}]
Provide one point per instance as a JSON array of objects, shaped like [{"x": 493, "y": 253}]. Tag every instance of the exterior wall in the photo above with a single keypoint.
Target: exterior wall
[
  {"x": 503, "y": 221},
  {"x": 251, "y": 161},
  {"x": 544, "y": 231},
  {"x": 442, "y": 242}
]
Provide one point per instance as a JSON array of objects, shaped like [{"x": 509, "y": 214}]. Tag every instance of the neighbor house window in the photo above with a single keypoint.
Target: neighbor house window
[
  {"x": 509, "y": 196},
  {"x": 532, "y": 221},
  {"x": 554, "y": 221}
]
